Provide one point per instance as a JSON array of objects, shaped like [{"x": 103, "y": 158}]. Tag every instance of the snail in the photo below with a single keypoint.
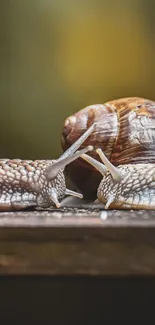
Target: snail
[
  {"x": 38, "y": 183},
  {"x": 124, "y": 139}
]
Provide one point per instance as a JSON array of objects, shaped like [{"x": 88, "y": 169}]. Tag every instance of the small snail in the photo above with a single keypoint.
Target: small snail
[
  {"x": 38, "y": 183},
  {"x": 125, "y": 132}
]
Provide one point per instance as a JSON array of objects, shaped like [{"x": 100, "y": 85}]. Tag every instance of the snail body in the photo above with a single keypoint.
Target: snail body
[
  {"x": 125, "y": 132},
  {"x": 135, "y": 191},
  {"x": 128, "y": 186},
  {"x": 37, "y": 183}
]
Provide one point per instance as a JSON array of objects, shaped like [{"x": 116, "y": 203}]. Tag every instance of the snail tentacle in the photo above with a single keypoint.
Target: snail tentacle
[
  {"x": 116, "y": 175},
  {"x": 72, "y": 193},
  {"x": 54, "y": 169},
  {"x": 110, "y": 200},
  {"x": 76, "y": 145},
  {"x": 96, "y": 164},
  {"x": 54, "y": 198}
]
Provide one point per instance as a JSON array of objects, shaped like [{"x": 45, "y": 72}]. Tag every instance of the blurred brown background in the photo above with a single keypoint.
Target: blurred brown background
[{"x": 57, "y": 57}]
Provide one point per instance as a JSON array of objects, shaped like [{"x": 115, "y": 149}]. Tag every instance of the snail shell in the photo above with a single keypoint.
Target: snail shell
[{"x": 125, "y": 131}]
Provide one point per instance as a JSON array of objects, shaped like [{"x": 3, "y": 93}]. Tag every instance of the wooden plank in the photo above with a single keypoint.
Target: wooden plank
[{"x": 78, "y": 241}]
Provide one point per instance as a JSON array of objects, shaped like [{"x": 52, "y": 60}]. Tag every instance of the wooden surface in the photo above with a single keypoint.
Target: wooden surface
[{"x": 78, "y": 241}]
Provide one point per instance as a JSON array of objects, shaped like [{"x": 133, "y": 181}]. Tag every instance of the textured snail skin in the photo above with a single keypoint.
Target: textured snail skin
[
  {"x": 125, "y": 132},
  {"x": 23, "y": 184},
  {"x": 135, "y": 191},
  {"x": 41, "y": 183}
]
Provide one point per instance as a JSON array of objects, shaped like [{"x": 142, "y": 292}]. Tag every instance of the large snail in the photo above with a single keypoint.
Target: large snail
[{"x": 125, "y": 132}]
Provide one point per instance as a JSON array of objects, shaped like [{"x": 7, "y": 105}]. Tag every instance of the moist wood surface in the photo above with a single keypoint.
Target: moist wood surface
[{"x": 77, "y": 241}]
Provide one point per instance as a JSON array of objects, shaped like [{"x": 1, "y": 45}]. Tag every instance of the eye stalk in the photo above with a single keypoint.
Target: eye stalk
[
  {"x": 116, "y": 175},
  {"x": 53, "y": 170},
  {"x": 76, "y": 145}
]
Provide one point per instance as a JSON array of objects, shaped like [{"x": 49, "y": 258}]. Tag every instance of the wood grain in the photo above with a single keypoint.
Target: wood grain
[{"x": 77, "y": 241}]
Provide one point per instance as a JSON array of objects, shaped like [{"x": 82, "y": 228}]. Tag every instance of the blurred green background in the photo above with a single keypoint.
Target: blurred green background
[{"x": 57, "y": 57}]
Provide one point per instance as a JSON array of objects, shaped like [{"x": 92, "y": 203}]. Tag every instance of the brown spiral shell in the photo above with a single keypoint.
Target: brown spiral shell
[{"x": 125, "y": 131}]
